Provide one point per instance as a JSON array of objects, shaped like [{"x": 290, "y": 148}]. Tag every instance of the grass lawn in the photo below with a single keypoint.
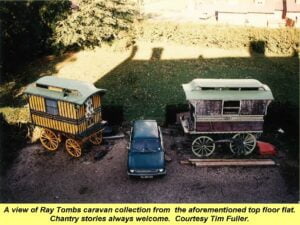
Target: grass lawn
[
  {"x": 144, "y": 87},
  {"x": 147, "y": 79}
]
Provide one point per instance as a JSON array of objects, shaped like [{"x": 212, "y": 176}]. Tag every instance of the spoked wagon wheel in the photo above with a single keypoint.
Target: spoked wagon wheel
[
  {"x": 203, "y": 146},
  {"x": 242, "y": 144},
  {"x": 73, "y": 147},
  {"x": 49, "y": 139},
  {"x": 96, "y": 138}
]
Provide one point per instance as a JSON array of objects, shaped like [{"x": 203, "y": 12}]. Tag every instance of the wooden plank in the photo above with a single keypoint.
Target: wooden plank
[
  {"x": 30, "y": 101},
  {"x": 69, "y": 110},
  {"x": 73, "y": 113},
  {"x": 59, "y": 125},
  {"x": 64, "y": 109},
  {"x": 39, "y": 103},
  {"x": 72, "y": 129},
  {"x": 233, "y": 163},
  {"x": 185, "y": 162},
  {"x": 34, "y": 102},
  {"x": 60, "y": 108},
  {"x": 227, "y": 160},
  {"x": 43, "y": 104},
  {"x": 37, "y": 120},
  {"x": 82, "y": 111},
  {"x": 51, "y": 123}
]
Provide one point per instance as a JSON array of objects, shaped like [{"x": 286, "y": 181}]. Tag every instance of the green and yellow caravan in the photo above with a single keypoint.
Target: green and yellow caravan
[{"x": 66, "y": 108}]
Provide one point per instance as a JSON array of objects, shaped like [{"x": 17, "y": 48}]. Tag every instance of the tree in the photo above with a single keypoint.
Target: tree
[
  {"x": 26, "y": 29},
  {"x": 94, "y": 22}
]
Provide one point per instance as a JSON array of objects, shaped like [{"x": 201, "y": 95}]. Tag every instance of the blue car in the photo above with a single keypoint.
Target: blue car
[{"x": 146, "y": 154}]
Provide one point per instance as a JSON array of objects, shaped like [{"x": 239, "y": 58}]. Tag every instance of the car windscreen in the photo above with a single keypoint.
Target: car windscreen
[{"x": 145, "y": 145}]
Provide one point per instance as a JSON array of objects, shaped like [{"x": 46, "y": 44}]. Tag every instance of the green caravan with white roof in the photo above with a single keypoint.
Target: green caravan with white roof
[{"x": 234, "y": 107}]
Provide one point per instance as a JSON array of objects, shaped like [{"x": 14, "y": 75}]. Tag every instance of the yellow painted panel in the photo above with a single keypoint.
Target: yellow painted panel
[
  {"x": 49, "y": 122},
  {"x": 33, "y": 103},
  {"x": 65, "y": 127},
  {"x": 30, "y": 102},
  {"x": 59, "y": 108},
  {"x": 66, "y": 109},
  {"x": 52, "y": 123},
  {"x": 43, "y": 105},
  {"x": 33, "y": 119},
  {"x": 60, "y": 126},
  {"x": 70, "y": 128},
  {"x": 75, "y": 129},
  {"x": 37, "y": 120},
  {"x": 69, "y": 110},
  {"x": 63, "y": 109},
  {"x": 40, "y": 121},
  {"x": 73, "y": 111},
  {"x": 38, "y": 103},
  {"x": 46, "y": 122}
]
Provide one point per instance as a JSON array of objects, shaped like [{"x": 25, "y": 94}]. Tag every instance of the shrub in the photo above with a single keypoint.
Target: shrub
[
  {"x": 276, "y": 41},
  {"x": 94, "y": 22}
]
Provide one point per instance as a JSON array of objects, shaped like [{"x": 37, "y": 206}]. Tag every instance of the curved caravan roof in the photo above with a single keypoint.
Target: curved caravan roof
[
  {"x": 69, "y": 90},
  {"x": 227, "y": 89}
]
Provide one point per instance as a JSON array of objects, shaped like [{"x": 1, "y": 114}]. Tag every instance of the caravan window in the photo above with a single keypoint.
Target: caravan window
[
  {"x": 51, "y": 107},
  {"x": 231, "y": 107}
]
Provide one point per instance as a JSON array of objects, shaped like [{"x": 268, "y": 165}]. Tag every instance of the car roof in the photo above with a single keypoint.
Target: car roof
[{"x": 145, "y": 129}]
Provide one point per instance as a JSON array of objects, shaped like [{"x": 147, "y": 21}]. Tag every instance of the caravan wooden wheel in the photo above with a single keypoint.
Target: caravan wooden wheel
[
  {"x": 242, "y": 144},
  {"x": 96, "y": 138},
  {"x": 73, "y": 147},
  {"x": 49, "y": 139},
  {"x": 203, "y": 146}
]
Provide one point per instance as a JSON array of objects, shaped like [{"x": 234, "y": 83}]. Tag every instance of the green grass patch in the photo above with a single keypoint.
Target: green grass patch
[{"x": 146, "y": 87}]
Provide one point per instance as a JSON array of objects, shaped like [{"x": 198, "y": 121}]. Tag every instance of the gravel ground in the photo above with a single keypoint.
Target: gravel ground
[{"x": 41, "y": 176}]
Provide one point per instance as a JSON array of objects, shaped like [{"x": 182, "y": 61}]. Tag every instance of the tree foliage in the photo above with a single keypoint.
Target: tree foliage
[
  {"x": 26, "y": 28},
  {"x": 94, "y": 22}
]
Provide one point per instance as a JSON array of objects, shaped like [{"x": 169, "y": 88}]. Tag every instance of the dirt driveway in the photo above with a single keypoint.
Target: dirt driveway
[{"x": 40, "y": 176}]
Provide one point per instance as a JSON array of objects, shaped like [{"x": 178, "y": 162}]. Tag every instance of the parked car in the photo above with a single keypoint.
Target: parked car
[{"x": 146, "y": 154}]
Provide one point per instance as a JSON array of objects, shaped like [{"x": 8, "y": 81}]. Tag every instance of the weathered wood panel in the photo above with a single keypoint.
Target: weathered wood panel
[
  {"x": 229, "y": 126},
  {"x": 253, "y": 107},
  {"x": 209, "y": 107},
  {"x": 37, "y": 103}
]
